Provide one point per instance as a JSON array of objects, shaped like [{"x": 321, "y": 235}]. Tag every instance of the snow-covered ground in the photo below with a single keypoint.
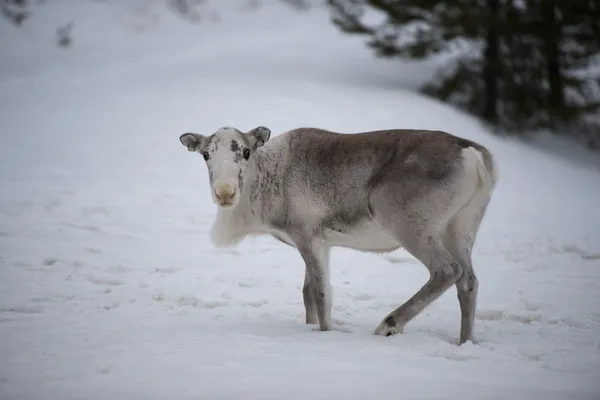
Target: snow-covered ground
[{"x": 110, "y": 288}]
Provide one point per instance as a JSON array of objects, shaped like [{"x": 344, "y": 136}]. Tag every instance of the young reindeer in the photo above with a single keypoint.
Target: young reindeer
[{"x": 425, "y": 191}]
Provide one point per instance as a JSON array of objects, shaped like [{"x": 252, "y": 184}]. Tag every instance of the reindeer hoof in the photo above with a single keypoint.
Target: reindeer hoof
[{"x": 388, "y": 328}]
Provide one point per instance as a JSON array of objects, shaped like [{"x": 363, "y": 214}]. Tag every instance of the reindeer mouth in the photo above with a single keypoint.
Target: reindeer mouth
[{"x": 226, "y": 204}]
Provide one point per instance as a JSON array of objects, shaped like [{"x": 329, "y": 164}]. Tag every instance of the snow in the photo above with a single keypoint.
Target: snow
[{"x": 110, "y": 287}]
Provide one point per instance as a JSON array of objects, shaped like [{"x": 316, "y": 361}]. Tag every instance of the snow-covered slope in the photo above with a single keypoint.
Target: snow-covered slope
[{"x": 110, "y": 288}]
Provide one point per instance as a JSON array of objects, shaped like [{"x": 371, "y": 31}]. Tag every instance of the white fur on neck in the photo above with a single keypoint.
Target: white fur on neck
[
  {"x": 232, "y": 226},
  {"x": 229, "y": 229}
]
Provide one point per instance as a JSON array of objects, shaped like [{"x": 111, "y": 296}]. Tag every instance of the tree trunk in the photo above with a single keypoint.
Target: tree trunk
[
  {"x": 491, "y": 62},
  {"x": 552, "y": 38}
]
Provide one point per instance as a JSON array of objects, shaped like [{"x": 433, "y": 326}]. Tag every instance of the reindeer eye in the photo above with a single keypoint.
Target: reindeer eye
[
  {"x": 205, "y": 155},
  {"x": 246, "y": 153}
]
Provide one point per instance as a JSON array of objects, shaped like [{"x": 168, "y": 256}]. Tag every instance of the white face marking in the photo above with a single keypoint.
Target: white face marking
[{"x": 226, "y": 166}]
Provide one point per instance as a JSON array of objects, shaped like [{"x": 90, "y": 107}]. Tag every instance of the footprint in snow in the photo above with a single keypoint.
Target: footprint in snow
[
  {"x": 256, "y": 303},
  {"x": 104, "y": 281},
  {"x": 50, "y": 261},
  {"x": 165, "y": 270},
  {"x": 532, "y": 354},
  {"x": 193, "y": 301},
  {"x": 498, "y": 315},
  {"x": 93, "y": 250},
  {"x": 23, "y": 309},
  {"x": 248, "y": 283},
  {"x": 84, "y": 227},
  {"x": 585, "y": 255},
  {"x": 117, "y": 269},
  {"x": 401, "y": 260},
  {"x": 456, "y": 353},
  {"x": 362, "y": 297}
]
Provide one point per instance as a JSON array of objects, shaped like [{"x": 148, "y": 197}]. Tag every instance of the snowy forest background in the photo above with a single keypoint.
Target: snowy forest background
[{"x": 522, "y": 66}]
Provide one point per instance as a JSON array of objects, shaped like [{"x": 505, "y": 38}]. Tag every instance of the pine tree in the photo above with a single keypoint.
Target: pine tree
[
  {"x": 519, "y": 65},
  {"x": 417, "y": 29},
  {"x": 578, "y": 66}
]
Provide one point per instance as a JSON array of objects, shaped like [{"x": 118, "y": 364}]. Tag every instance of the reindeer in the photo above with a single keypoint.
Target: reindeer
[{"x": 378, "y": 191}]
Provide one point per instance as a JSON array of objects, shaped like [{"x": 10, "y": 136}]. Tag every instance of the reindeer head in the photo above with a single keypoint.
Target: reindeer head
[{"x": 227, "y": 153}]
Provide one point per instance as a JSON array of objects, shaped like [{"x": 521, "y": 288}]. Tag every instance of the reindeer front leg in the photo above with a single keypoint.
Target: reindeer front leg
[
  {"x": 316, "y": 283},
  {"x": 309, "y": 303}
]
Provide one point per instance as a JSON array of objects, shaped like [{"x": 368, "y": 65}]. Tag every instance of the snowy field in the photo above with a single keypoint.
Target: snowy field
[{"x": 110, "y": 288}]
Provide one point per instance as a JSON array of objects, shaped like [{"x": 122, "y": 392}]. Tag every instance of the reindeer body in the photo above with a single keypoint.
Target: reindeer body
[{"x": 426, "y": 191}]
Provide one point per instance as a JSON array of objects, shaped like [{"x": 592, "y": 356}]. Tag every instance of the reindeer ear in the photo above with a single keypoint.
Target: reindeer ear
[
  {"x": 194, "y": 141},
  {"x": 259, "y": 136}
]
